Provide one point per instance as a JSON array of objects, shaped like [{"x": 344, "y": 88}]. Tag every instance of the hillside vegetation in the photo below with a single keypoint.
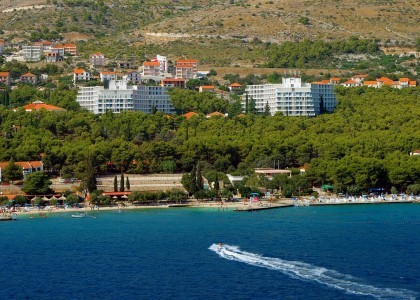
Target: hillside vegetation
[
  {"x": 212, "y": 31},
  {"x": 365, "y": 143}
]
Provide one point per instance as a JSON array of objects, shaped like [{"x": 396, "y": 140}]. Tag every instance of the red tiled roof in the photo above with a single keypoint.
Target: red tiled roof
[
  {"x": 235, "y": 85},
  {"x": 335, "y": 79},
  {"x": 207, "y": 87},
  {"x": 386, "y": 80},
  {"x": 413, "y": 82},
  {"x": 190, "y": 114},
  {"x": 370, "y": 83},
  {"x": 404, "y": 79},
  {"x": 38, "y": 105},
  {"x": 36, "y": 163},
  {"x": 96, "y": 54},
  {"x": 151, "y": 64},
  {"x": 108, "y": 73},
  {"x": 4, "y": 74},
  {"x": 28, "y": 75},
  {"x": 190, "y": 61},
  {"x": 350, "y": 82},
  {"x": 326, "y": 81},
  {"x": 65, "y": 46},
  {"x": 173, "y": 79},
  {"x": 78, "y": 71}
]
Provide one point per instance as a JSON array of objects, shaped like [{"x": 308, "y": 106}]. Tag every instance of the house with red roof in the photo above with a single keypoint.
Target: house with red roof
[
  {"x": 173, "y": 82},
  {"x": 359, "y": 78},
  {"x": 80, "y": 75},
  {"x": 27, "y": 166},
  {"x": 350, "y": 83},
  {"x": 372, "y": 83},
  {"x": 235, "y": 87},
  {"x": 206, "y": 88},
  {"x": 5, "y": 78},
  {"x": 28, "y": 78},
  {"x": 108, "y": 75},
  {"x": 151, "y": 68},
  {"x": 335, "y": 80},
  {"x": 97, "y": 59},
  {"x": 38, "y": 105}
]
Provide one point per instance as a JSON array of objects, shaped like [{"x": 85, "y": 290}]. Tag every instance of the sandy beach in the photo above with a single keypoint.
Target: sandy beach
[{"x": 193, "y": 204}]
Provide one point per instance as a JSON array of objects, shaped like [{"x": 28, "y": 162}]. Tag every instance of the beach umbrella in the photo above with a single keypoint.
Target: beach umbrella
[
  {"x": 44, "y": 198},
  {"x": 115, "y": 197},
  {"x": 125, "y": 197},
  {"x": 62, "y": 197}
]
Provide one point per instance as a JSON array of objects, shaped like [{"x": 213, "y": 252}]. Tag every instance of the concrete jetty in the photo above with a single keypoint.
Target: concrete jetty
[{"x": 264, "y": 206}]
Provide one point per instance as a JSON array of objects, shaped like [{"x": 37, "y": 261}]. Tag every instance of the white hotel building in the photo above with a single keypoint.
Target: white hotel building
[
  {"x": 292, "y": 97},
  {"x": 117, "y": 96}
]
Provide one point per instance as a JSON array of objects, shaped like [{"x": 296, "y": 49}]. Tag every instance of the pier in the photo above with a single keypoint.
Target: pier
[{"x": 264, "y": 206}]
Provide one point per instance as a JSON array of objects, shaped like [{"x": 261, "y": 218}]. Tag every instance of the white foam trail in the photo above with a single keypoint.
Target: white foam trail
[{"x": 304, "y": 271}]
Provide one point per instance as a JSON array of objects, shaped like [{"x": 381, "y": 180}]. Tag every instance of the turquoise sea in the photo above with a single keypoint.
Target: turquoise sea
[{"x": 331, "y": 252}]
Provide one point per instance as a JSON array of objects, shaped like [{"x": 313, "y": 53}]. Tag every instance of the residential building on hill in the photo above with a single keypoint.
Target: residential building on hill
[
  {"x": 28, "y": 78},
  {"x": 186, "y": 68},
  {"x": 118, "y": 96},
  {"x": 27, "y": 166},
  {"x": 1, "y": 46},
  {"x": 206, "y": 88},
  {"x": 107, "y": 75},
  {"x": 63, "y": 49},
  {"x": 151, "y": 68},
  {"x": 81, "y": 75},
  {"x": 5, "y": 78},
  {"x": 133, "y": 77},
  {"x": 173, "y": 82},
  {"x": 292, "y": 97},
  {"x": 97, "y": 59}
]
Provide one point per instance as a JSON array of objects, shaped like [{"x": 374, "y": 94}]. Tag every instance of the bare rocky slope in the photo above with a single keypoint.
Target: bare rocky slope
[{"x": 274, "y": 21}]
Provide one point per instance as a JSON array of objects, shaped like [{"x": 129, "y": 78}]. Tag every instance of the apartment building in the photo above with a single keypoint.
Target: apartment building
[
  {"x": 107, "y": 75},
  {"x": 28, "y": 78},
  {"x": 186, "y": 69},
  {"x": 81, "y": 75},
  {"x": 118, "y": 96},
  {"x": 5, "y": 78},
  {"x": 292, "y": 97}
]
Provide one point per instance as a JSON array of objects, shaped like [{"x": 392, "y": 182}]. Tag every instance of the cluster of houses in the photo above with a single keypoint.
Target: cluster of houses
[
  {"x": 360, "y": 80},
  {"x": 51, "y": 52},
  {"x": 157, "y": 69}
]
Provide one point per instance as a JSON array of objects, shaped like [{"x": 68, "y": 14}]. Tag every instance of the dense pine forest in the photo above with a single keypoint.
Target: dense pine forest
[{"x": 365, "y": 143}]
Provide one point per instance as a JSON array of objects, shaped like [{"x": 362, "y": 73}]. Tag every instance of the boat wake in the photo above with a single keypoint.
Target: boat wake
[{"x": 308, "y": 272}]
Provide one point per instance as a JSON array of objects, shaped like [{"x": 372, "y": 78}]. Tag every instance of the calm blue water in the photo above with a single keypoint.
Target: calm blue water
[{"x": 334, "y": 252}]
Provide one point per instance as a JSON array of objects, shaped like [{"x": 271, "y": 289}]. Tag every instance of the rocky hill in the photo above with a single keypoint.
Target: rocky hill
[{"x": 218, "y": 28}]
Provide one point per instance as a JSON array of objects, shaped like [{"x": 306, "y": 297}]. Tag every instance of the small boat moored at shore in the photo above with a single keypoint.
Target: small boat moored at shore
[{"x": 79, "y": 215}]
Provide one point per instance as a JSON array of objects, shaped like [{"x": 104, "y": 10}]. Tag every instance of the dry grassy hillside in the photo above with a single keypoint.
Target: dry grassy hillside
[
  {"x": 5, "y": 4},
  {"x": 280, "y": 20},
  {"x": 275, "y": 20}
]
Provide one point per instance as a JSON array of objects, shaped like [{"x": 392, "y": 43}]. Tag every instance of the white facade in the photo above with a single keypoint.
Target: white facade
[
  {"x": 291, "y": 97},
  {"x": 118, "y": 97},
  {"x": 33, "y": 52}
]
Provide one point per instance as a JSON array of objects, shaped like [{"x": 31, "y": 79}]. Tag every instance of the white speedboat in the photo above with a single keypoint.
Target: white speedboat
[{"x": 79, "y": 215}]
